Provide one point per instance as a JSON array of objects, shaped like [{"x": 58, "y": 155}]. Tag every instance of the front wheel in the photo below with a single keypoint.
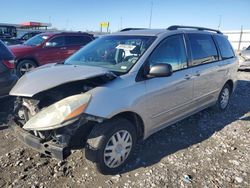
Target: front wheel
[{"x": 111, "y": 143}]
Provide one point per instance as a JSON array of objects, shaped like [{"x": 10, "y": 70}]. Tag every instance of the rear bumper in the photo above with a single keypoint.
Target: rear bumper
[{"x": 48, "y": 148}]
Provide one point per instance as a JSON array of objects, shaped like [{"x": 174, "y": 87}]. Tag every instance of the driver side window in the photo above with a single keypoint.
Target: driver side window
[{"x": 170, "y": 51}]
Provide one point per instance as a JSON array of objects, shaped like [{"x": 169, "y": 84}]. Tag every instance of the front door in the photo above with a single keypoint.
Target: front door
[
  {"x": 169, "y": 97},
  {"x": 53, "y": 51}
]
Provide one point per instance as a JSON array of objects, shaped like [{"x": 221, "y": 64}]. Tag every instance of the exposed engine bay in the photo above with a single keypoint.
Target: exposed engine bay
[{"x": 26, "y": 108}]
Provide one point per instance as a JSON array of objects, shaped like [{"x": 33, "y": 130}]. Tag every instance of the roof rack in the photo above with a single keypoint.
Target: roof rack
[
  {"x": 129, "y": 29},
  {"x": 175, "y": 27},
  {"x": 73, "y": 32}
]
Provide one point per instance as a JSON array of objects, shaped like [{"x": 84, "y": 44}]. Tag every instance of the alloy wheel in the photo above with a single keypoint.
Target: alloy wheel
[{"x": 26, "y": 67}]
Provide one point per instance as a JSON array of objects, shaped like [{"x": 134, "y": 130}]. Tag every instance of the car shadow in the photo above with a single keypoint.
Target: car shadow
[
  {"x": 245, "y": 70},
  {"x": 191, "y": 131},
  {"x": 3, "y": 126}
]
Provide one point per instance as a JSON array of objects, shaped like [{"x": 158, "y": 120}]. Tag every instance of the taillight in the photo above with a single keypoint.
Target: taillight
[{"x": 9, "y": 63}]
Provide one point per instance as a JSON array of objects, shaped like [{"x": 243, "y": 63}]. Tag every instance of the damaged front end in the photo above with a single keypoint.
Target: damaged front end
[
  {"x": 53, "y": 121},
  {"x": 56, "y": 129}
]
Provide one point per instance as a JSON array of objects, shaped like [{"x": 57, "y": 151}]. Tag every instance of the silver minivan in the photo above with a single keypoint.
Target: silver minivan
[{"x": 122, "y": 88}]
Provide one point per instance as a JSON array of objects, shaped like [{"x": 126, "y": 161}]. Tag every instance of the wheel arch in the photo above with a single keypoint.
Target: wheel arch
[
  {"x": 231, "y": 85},
  {"x": 27, "y": 58},
  {"x": 135, "y": 119}
]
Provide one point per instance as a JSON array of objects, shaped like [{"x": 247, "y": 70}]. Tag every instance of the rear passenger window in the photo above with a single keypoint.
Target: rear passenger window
[
  {"x": 225, "y": 47},
  {"x": 77, "y": 40},
  {"x": 203, "y": 49},
  {"x": 170, "y": 51}
]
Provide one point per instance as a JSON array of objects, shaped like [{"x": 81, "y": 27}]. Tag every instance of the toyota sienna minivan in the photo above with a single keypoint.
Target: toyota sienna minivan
[{"x": 120, "y": 89}]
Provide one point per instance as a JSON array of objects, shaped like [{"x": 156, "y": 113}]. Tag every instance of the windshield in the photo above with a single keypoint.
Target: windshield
[
  {"x": 36, "y": 40},
  {"x": 116, "y": 53}
]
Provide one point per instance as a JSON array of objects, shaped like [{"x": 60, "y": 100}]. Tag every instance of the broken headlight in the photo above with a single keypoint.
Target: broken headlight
[{"x": 59, "y": 114}]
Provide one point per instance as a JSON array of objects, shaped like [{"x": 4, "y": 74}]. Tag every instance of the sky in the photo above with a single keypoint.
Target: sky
[{"x": 82, "y": 15}]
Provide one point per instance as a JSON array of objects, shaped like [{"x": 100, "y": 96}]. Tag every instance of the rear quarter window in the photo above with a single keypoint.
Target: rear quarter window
[
  {"x": 225, "y": 47},
  {"x": 77, "y": 40},
  {"x": 202, "y": 48}
]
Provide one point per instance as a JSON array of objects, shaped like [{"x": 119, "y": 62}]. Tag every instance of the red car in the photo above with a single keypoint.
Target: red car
[{"x": 47, "y": 48}]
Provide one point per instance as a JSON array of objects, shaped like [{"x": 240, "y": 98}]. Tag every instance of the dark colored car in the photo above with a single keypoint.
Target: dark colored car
[
  {"x": 7, "y": 75},
  {"x": 47, "y": 48},
  {"x": 7, "y": 31},
  {"x": 21, "y": 40}
]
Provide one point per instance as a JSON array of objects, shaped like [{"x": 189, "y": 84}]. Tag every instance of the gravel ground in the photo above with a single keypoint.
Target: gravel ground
[{"x": 209, "y": 149}]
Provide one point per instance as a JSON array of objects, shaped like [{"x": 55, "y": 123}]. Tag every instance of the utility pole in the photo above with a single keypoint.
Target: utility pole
[
  {"x": 219, "y": 22},
  {"x": 151, "y": 11},
  {"x": 241, "y": 32}
]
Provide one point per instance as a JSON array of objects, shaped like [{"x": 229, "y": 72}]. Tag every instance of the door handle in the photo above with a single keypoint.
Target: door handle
[
  {"x": 187, "y": 77},
  {"x": 221, "y": 70},
  {"x": 197, "y": 73}
]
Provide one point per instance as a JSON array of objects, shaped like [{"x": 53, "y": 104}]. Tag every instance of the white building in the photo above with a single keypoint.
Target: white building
[{"x": 239, "y": 39}]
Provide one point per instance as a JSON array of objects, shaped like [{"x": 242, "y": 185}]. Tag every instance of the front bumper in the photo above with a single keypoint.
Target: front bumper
[
  {"x": 49, "y": 148},
  {"x": 244, "y": 65}
]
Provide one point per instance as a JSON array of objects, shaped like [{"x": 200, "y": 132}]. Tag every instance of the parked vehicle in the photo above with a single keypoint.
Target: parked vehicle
[
  {"x": 244, "y": 57},
  {"x": 7, "y": 74},
  {"x": 7, "y": 31},
  {"x": 47, "y": 48},
  {"x": 122, "y": 88},
  {"x": 21, "y": 40}
]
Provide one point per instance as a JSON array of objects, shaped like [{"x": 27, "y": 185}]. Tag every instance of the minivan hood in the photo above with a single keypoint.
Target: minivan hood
[{"x": 50, "y": 76}]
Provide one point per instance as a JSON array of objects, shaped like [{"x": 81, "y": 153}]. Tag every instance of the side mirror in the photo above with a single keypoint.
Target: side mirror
[{"x": 160, "y": 70}]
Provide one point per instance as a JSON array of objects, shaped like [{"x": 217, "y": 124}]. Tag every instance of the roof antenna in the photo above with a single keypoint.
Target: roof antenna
[
  {"x": 219, "y": 22},
  {"x": 151, "y": 11}
]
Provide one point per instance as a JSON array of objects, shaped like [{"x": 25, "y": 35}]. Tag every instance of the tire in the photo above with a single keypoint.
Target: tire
[
  {"x": 25, "y": 66},
  {"x": 224, "y": 98},
  {"x": 107, "y": 149}
]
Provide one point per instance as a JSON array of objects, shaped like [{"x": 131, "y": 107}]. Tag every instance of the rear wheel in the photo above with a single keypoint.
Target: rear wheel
[
  {"x": 25, "y": 66},
  {"x": 110, "y": 145},
  {"x": 224, "y": 97}
]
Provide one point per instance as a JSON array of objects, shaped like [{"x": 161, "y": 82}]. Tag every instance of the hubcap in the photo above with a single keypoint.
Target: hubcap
[
  {"x": 26, "y": 67},
  {"x": 224, "y": 98},
  {"x": 117, "y": 149}
]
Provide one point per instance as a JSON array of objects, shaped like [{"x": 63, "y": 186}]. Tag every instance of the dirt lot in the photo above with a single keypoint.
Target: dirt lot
[{"x": 209, "y": 149}]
